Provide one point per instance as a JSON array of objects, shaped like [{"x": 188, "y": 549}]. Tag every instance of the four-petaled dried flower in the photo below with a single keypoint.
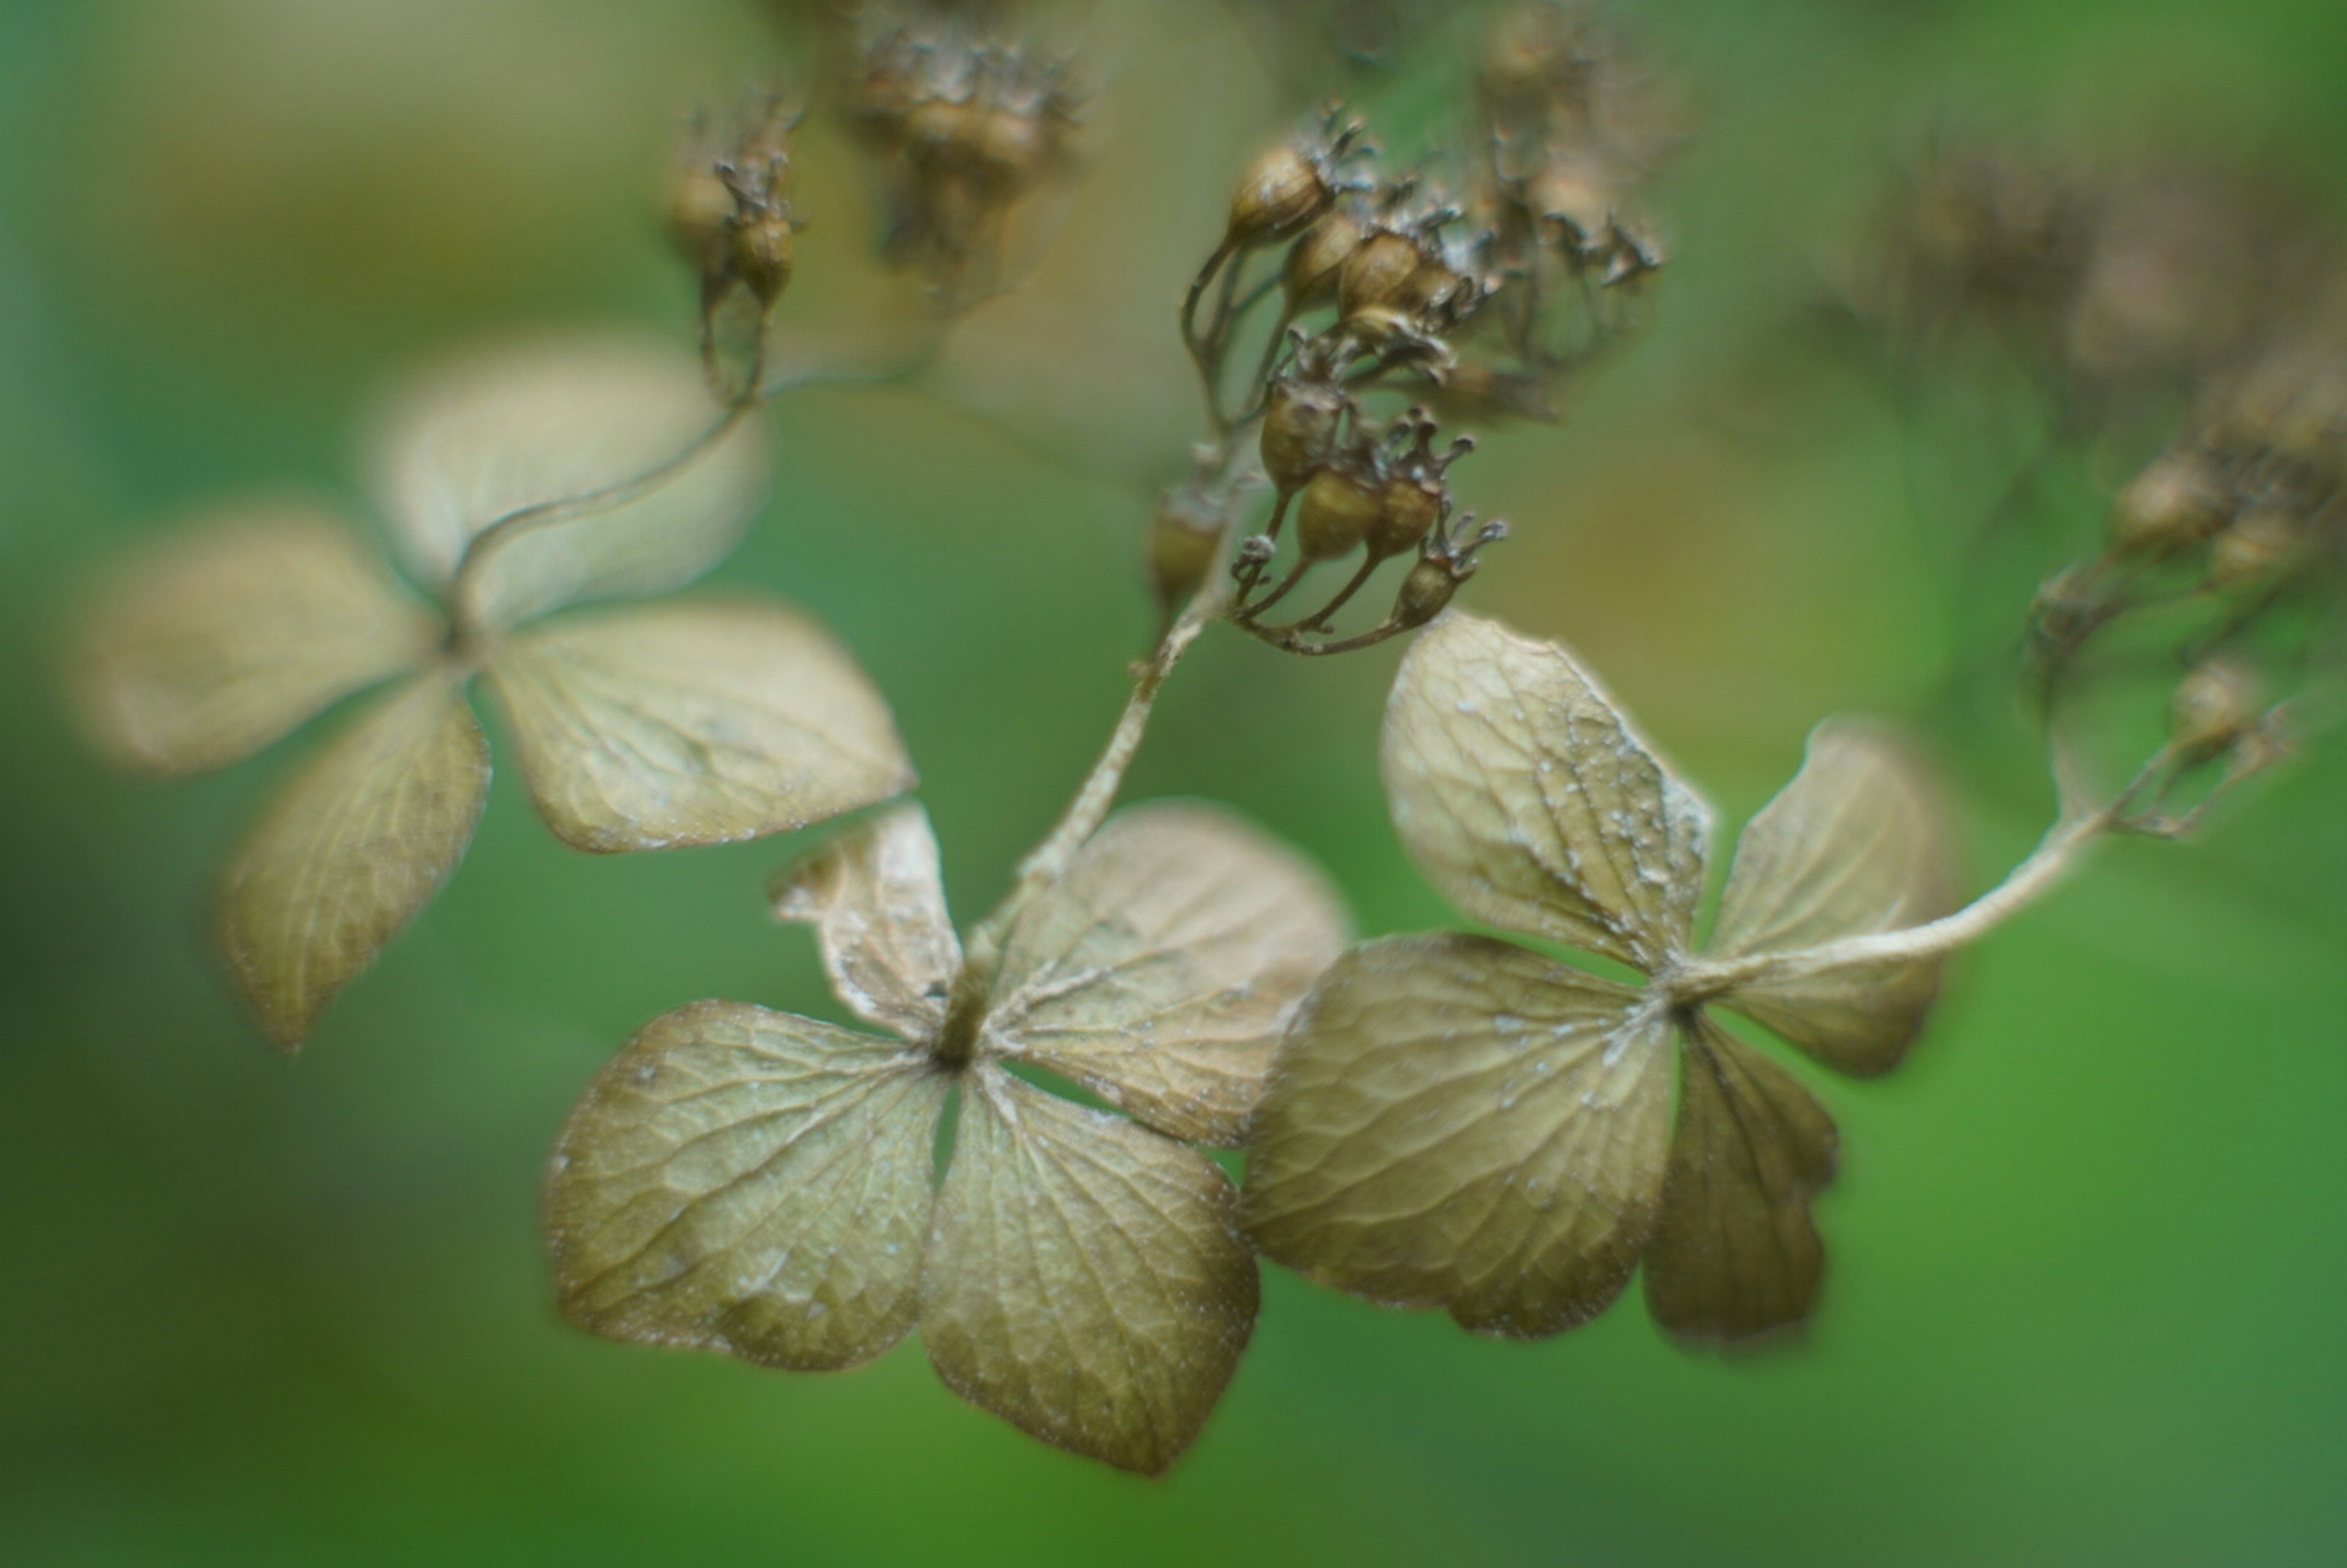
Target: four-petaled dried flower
[
  {"x": 1462, "y": 1122},
  {"x": 751, "y": 1182},
  {"x": 517, "y": 483}
]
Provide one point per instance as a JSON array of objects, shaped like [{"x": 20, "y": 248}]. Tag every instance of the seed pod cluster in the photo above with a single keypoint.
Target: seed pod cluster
[
  {"x": 729, "y": 207},
  {"x": 967, "y": 122}
]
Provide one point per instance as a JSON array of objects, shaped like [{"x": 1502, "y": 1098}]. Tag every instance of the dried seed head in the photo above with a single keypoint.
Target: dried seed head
[
  {"x": 1316, "y": 259},
  {"x": 2257, "y": 543},
  {"x": 1184, "y": 531},
  {"x": 1299, "y": 428},
  {"x": 764, "y": 251},
  {"x": 1283, "y": 190},
  {"x": 1342, "y": 502},
  {"x": 2215, "y": 704},
  {"x": 700, "y": 211},
  {"x": 2174, "y": 503},
  {"x": 1377, "y": 274}
]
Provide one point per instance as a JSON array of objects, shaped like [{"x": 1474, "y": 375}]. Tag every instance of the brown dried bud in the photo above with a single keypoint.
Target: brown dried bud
[
  {"x": 2257, "y": 542},
  {"x": 1377, "y": 274},
  {"x": 764, "y": 251},
  {"x": 700, "y": 211},
  {"x": 2173, "y": 503},
  {"x": 1299, "y": 427},
  {"x": 1337, "y": 511},
  {"x": 1280, "y": 192},
  {"x": 1412, "y": 506},
  {"x": 2214, "y": 704},
  {"x": 1315, "y": 260},
  {"x": 1425, "y": 592},
  {"x": 1183, "y": 537}
]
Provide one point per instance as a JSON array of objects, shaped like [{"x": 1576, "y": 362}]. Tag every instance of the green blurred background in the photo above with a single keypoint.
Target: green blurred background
[{"x": 2086, "y": 1304}]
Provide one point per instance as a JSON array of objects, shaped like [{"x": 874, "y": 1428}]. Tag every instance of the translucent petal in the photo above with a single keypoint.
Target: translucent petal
[
  {"x": 232, "y": 632},
  {"x": 745, "y": 1181},
  {"x": 1524, "y": 793},
  {"x": 480, "y": 438},
  {"x": 1159, "y": 971},
  {"x": 702, "y": 720},
  {"x": 1855, "y": 843},
  {"x": 1455, "y": 1122},
  {"x": 1086, "y": 1281},
  {"x": 1736, "y": 1257},
  {"x": 352, "y": 847},
  {"x": 878, "y": 906}
]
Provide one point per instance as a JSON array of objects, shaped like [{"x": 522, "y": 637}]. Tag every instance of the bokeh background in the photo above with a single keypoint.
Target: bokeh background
[{"x": 2089, "y": 1260}]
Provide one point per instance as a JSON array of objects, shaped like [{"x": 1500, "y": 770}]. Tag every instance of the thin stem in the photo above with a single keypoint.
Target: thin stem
[{"x": 2056, "y": 857}]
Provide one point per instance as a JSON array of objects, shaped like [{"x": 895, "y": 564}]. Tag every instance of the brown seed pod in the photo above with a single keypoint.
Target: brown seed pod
[
  {"x": 1376, "y": 274},
  {"x": 1411, "y": 507},
  {"x": 700, "y": 211},
  {"x": 1280, "y": 192},
  {"x": 2257, "y": 542},
  {"x": 764, "y": 251},
  {"x": 1299, "y": 427},
  {"x": 1338, "y": 509},
  {"x": 1182, "y": 542},
  {"x": 1316, "y": 259},
  {"x": 2173, "y": 503},
  {"x": 1425, "y": 592},
  {"x": 2214, "y": 703}
]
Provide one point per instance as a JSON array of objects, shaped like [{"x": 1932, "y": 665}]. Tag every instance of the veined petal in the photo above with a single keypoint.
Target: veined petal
[
  {"x": 745, "y": 1181},
  {"x": 350, "y": 848},
  {"x": 1855, "y": 845},
  {"x": 228, "y": 635},
  {"x": 1456, "y": 1121},
  {"x": 575, "y": 422},
  {"x": 1526, "y": 795},
  {"x": 1736, "y": 1257},
  {"x": 1086, "y": 1281},
  {"x": 704, "y": 721},
  {"x": 1159, "y": 970},
  {"x": 878, "y": 903}
]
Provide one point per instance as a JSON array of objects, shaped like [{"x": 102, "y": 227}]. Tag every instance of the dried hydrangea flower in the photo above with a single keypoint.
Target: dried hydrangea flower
[
  {"x": 751, "y": 1182},
  {"x": 517, "y": 483},
  {"x": 1462, "y": 1122}
]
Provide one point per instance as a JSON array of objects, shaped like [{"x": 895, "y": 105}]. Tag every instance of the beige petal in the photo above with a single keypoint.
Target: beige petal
[
  {"x": 480, "y": 438},
  {"x": 233, "y": 632},
  {"x": 1086, "y": 1281},
  {"x": 1159, "y": 971},
  {"x": 1455, "y": 1122},
  {"x": 745, "y": 1181},
  {"x": 702, "y": 720},
  {"x": 878, "y": 906},
  {"x": 1526, "y": 795},
  {"x": 353, "y": 847},
  {"x": 1736, "y": 1257},
  {"x": 1855, "y": 843}
]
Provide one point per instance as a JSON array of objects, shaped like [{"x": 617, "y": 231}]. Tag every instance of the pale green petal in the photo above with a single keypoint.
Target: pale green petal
[
  {"x": 232, "y": 631},
  {"x": 1159, "y": 971},
  {"x": 563, "y": 420},
  {"x": 1736, "y": 1257},
  {"x": 701, "y": 721},
  {"x": 1526, "y": 795},
  {"x": 356, "y": 843},
  {"x": 1855, "y": 845},
  {"x": 1455, "y": 1122},
  {"x": 878, "y": 906},
  {"x": 1086, "y": 1281},
  {"x": 745, "y": 1181}
]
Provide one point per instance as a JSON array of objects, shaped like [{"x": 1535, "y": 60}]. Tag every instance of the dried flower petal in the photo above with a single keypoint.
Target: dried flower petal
[
  {"x": 1854, "y": 844},
  {"x": 1086, "y": 1281},
  {"x": 699, "y": 722},
  {"x": 486, "y": 435},
  {"x": 745, "y": 1181},
  {"x": 358, "y": 841},
  {"x": 230, "y": 634},
  {"x": 1736, "y": 1256},
  {"x": 878, "y": 906},
  {"x": 1159, "y": 970},
  {"x": 1457, "y": 1121},
  {"x": 1529, "y": 799}
]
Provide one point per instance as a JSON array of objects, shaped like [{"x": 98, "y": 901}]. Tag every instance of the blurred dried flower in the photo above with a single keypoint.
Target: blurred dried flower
[{"x": 515, "y": 483}]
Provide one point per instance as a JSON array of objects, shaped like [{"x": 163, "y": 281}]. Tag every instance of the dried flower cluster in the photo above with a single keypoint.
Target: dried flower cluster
[{"x": 1012, "y": 1163}]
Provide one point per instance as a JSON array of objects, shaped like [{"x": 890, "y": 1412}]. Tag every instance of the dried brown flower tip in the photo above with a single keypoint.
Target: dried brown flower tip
[{"x": 969, "y": 116}]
